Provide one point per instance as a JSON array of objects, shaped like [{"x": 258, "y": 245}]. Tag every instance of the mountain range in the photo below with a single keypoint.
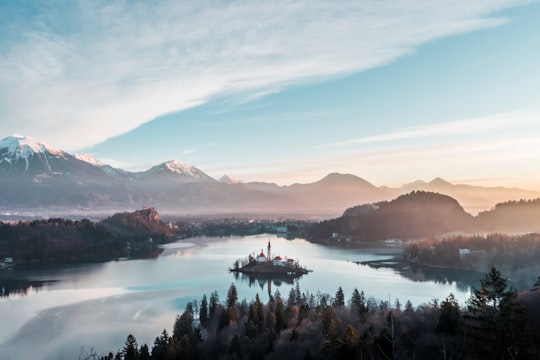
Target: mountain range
[{"x": 38, "y": 179}]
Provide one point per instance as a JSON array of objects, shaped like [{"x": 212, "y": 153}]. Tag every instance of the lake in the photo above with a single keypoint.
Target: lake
[{"x": 63, "y": 309}]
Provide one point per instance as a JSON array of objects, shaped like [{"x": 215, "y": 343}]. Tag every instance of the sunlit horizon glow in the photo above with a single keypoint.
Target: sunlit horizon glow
[{"x": 285, "y": 92}]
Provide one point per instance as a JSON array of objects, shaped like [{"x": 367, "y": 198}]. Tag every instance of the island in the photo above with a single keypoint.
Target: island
[{"x": 265, "y": 264}]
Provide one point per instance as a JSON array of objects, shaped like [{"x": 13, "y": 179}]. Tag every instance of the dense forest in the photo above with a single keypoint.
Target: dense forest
[
  {"x": 495, "y": 323},
  {"x": 61, "y": 240},
  {"x": 515, "y": 255}
]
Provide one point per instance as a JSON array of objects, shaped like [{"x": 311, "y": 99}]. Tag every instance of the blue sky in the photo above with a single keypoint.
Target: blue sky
[{"x": 284, "y": 92}]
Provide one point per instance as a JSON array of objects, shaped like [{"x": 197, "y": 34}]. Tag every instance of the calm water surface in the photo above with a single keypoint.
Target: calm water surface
[{"x": 98, "y": 305}]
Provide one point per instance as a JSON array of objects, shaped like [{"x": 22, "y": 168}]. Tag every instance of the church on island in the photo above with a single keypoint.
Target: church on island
[
  {"x": 276, "y": 261},
  {"x": 266, "y": 264}
]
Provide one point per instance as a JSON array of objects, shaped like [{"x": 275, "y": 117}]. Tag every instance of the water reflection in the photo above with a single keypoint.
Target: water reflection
[
  {"x": 16, "y": 288},
  {"x": 462, "y": 278},
  {"x": 262, "y": 280}
]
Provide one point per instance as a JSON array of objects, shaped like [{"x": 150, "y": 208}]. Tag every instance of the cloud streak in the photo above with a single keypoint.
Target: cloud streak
[
  {"x": 486, "y": 124},
  {"x": 485, "y": 147},
  {"x": 86, "y": 71}
]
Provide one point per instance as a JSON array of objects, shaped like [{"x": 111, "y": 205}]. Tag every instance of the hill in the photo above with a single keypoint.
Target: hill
[
  {"x": 512, "y": 216},
  {"x": 57, "y": 240},
  {"x": 415, "y": 215}
]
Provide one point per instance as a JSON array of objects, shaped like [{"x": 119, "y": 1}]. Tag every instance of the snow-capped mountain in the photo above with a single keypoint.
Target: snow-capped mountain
[
  {"x": 34, "y": 174},
  {"x": 22, "y": 154},
  {"x": 168, "y": 175},
  {"x": 89, "y": 159},
  {"x": 186, "y": 172}
]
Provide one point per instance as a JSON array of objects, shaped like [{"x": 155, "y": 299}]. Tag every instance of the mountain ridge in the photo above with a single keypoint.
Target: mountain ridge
[{"x": 41, "y": 177}]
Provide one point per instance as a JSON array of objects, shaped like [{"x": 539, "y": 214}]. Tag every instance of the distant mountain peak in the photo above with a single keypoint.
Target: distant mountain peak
[
  {"x": 440, "y": 182},
  {"x": 89, "y": 159},
  {"x": 176, "y": 168},
  {"x": 343, "y": 178},
  {"x": 229, "y": 180},
  {"x": 23, "y": 147},
  {"x": 415, "y": 183}
]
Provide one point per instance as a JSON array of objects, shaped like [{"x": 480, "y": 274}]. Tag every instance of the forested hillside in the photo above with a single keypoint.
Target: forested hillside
[
  {"x": 414, "y": 215},
  {"x": 422, "y": 214},
  {"x": 61, "y": 240}
]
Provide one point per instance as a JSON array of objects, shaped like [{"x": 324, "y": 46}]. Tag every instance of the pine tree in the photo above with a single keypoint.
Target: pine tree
[
  {"x": 131, "y": 349},
  {"x": 292, "y": 299},
  {"x": 232, "y": 296},
  {"x": 339, "y": 301},
  {"x": 144, "y": 354},
  {"x": 214, "y": 304},
  {"x": 349, "y": 343},
  {"x": 280, "y": 316},
  {"x": 449, "y": 318},
  {"x": 358, "y": 303},
  {"x": 495, "y": 320},
  {"x": 203, "y": 311},
  {"x": 161, "y": 345},
  {"x": 183, "y": 325}
]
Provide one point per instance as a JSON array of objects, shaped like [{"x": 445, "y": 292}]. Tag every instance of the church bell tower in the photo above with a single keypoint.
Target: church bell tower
[{"x": 269, "y": 253}]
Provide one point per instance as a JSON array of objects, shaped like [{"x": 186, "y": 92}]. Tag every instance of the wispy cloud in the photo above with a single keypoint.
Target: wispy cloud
[
  {"x": 481, "y": 148},
  {"x": 77, "y": 73},
  {"x": 485, "y": 124}
]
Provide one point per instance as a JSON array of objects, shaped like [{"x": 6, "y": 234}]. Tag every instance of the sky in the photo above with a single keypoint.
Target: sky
[{"x": 282, "y": 91}]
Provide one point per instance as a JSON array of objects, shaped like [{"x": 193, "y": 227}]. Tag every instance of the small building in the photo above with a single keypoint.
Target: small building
[
  {"x": 463, "y": 252},
  {"x": 261, "y": 258},
  {"x": 278, "y": 261}
]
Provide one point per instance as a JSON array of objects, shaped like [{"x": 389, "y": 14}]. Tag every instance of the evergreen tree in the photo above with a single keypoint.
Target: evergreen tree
[
  {"x": 409, "y": 306},
  {"x": 232, "y": 296},
  {"x": 495, "y": 320},
  {"x": 349, "y": 344},
  {"x": 161, "y": 345},
  {"x": 203, "y": 312},
  {"x": 131, "y": 349},
  {"x": 223, "y": 319},
  {"x": 280, "y": 316},
  {"x": 292, "y": 299},
  {"x": 358, "y": 303},
  {"x": 449, "y": 318},
  {"x": 183, "y": 325},
  {"x": 214, "y": 304},
  {"x": 259, "y": 308},
  {"x": 339, "y": 301},
  {"x": 331, "y": 324},
  {"x": 144, "y": 354},
  {"x": 298, "y": 294}
]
